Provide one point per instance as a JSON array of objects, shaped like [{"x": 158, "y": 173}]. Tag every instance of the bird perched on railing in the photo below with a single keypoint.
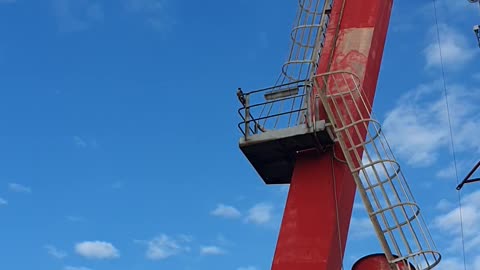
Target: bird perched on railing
[{"x": 241, "y": 97}]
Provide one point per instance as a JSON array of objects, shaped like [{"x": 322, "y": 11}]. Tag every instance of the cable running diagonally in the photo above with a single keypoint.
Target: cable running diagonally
[{"x": 454, "y": 155}]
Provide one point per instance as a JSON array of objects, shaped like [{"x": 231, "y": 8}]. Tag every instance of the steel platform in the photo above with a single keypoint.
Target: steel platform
[{"x": 272, "y": 153}]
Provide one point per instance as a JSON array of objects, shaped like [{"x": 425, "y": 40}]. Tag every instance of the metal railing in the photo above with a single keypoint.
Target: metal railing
[
  {"x": 273, "y": 108},
  {"x": 385, "y": 193}
]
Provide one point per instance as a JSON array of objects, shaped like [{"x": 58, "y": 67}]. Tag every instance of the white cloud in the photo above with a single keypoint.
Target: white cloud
[
  {"x": 76, "y": 268},
  {"x": 96, "y": 250},
  {"x": 3, "y": 202},
  {"x": 451, "y": 264},
  {"x": 75, "y": 218},
  {"x": 56, "y": 253},
  {"x": 77, "y": 15},
  {"x": 358, "y": 206},
  {"x": 260, "y": 214},
  {"x": 211, "y": 250},
  {"x": 145, "y": 5},
  {"x": 447, "y": 172},
  {"x": 456, "y": 49},
  {"x": 156, "y": 13},
  {"x": 84, "y": 143},
  {"x": 418, "y": 129},
  {"x": 476, "y": 76},
  {"x": 226, "y": 211},
  {"x": 164, "y": 247},
  {"x": 19, "y": 188},
  {"x": 454, "y": 263},
  {"x": 450, "y": 223},
  {"x": 247, "y": 268},
  {"x": 118, "y": 185},
  {"x": 463, "y": 166},
  {"x": 450, "y": 9},
  {"x": 80, "y": 142},
  {"x": 361, "y": 228},
  {"x": 444, "y": 205}
]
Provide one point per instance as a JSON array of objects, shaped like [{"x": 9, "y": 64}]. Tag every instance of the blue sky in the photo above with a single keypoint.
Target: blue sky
[{"x": 119, "y": 148}]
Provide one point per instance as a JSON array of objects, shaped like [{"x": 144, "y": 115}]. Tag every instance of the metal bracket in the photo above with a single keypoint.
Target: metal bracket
[{"x": 467, "y": 179}]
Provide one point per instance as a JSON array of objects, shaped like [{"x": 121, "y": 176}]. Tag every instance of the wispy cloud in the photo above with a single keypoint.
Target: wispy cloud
[
  {"x": 76, "y": 268},
  {"x": 247, "y": 268},
  {"x": 80, "y": 142},
  {"x": 156, "y": 13},
  {"x": 451, "y": 222},
  {"x": 84, "y": 143},
  {"x": 418, "y": 129},
  {"x": 164, "y": 247},
  {"x": 118, "y": 185},
  {"x": 456, "y": 49},
  {"x": 462, "y": 165},
  {"x": 450, "y": 262},
  {"x": 261, "y": 213},
  {"x": 7, "y": 1},
  {"x": 476, "y": 76},
  {"x": 96, "y": 250},
  {"x": 222, "y": 240},
  {"x": 54, "y": 252},
  {"x": 75, "y": 218},
  {"x": 263, "y": 40},
  {"x": 358, "y": 205},
  {"x": 3, "y": 202},
  {"x": 361, "y": 228},
  {"x": 77, "y": 15},
  {"x": 14, "y": 187},
  {"x": 226, "y": 211},
  {"x": 444, "y": 205},
  {"x": 449, "y": 10},
  {"x": 211, "y": 250}
]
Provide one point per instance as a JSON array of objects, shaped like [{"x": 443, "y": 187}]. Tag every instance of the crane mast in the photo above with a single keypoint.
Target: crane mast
[{"x": 314, "y": 130}]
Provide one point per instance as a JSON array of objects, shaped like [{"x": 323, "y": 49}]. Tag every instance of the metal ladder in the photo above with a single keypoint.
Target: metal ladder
[
  {"x": 307, "y": 40},
  {"x": 307, "y": 37},
  {"x": 388, "y": 200}
]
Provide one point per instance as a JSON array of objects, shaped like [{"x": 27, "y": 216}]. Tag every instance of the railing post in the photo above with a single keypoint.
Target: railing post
[
  {"x": 247, "y": 116},
  {"x": 308, "y": 112}
]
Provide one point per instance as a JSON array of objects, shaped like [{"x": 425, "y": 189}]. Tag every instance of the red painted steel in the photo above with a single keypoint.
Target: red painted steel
[
  {"x": 379, "y": 262},
  {"x": 309, "y": 236}
]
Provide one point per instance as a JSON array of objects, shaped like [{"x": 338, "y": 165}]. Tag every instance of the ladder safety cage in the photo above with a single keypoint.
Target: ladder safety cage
[
  {"x": 395, "y": 215},
  {"x": 307, "y": 40}
]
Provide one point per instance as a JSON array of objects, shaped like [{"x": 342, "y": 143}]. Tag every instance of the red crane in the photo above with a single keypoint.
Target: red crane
[{"x": 314, "y": 130}]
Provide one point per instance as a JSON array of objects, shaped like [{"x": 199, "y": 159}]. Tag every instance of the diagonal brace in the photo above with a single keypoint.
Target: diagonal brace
[{"x": 467, "y": 179}]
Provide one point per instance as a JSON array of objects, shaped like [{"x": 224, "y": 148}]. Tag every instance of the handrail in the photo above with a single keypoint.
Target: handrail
[{"x": 259, "y": 111}]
